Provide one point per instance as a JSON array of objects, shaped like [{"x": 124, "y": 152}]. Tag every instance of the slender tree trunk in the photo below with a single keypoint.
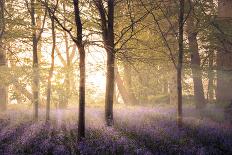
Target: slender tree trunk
[
  {"x": 80, "y": 45},
  {"x": 3, "y": 61},
  {"x": 67, "y": 74},
  {"x": 195, "y": 63},
  {"x": 39, "y": 23},
  {"x": 180, "y": 62},
  {"x": 81, "y": 124},
  {"x": 2, "y": 19},
  {"x": 49, "y": 87},
  {"x": 115, "y": 98},
  {"x": 165, "y": 86},
  {"x": 211, "y": 78},
  {"x": 109, "y": 88},
  {"x": 68, "y": 65},
  {"x": 23, "y": 90},
  {"x": 172, "y": 87},
  {"x": 35, "y": 63},
  {"x": 115, "y": 95},
  {"x": 3, "y": 87},
  {"x": 127, "y": 76},
  {"x": 107, "y": 25},
  {"x": 127, "y": 96},
  {"x": 128, "y": 83}
]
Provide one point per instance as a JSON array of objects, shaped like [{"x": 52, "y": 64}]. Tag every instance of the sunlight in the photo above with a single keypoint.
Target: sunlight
[{"x": 115, "y": 77}]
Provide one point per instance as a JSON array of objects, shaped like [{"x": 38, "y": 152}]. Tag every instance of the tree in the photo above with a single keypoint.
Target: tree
[
  {"x": 195, "y": 58},
  {"x": 180, "y": 61},
  {"x": 107, "y": 26},
  {"x": 81, "y": 49},
  {"x": 3, "y": 60},
  {"x": 36, "y": 36},
  {"x": 78, "y": 40},
  {"x": 49, "y": 87},
  {"x": 224, "y": 54},
  {"x": 210, "y": 93},
  {"x": 127, "y": 96},
  {"x": 66, "y": 62}
]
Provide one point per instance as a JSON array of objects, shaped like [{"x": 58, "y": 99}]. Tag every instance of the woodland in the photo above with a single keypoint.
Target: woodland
[{"x": 116, "y": 77}]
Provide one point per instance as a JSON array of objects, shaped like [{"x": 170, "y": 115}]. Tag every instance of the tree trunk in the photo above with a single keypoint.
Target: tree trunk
[
  {"x": 195, "y": 63},
  {"x": 81, "y": 124},
  {"x": 224, "y": 77},
  {"x": 107, "y": 26},
  {"x": 39, "y": 25},
  {"x": 127, "y": 76},
  {"x": 211, "y": 78},
  {"x": 224, "y": 53},
  {"x": 127, "y": 96},
  {"x": 109, "y": 88},
  {"x": 67, "y": 73},
  {"x": 35, "y": 85},
  {"x": 116, "y": 90},
  {"x": 224, "y": 9},
  {"x": 115, "y": 94},
  {"x": 165, "y": 86},
  {"x": 19, "y": 96},
  {"x": 180, "y": 62},
  {"x": 49, "y": 87},
  {"x": 3, "y": 61},
  {"x": 18, "y": 86},
  {"x": 128, "y": 83},
  {"x": 68, "y": 65},
  {"x": 172, "y": 87},
  {"x": 80, "y": 45}
]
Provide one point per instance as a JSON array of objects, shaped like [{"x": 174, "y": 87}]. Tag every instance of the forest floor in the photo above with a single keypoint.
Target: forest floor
[{"x": 136, "y": 130}]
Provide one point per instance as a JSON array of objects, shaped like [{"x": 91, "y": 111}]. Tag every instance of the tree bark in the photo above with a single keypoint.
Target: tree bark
[
  {"x": 128, "y": 83},
  {"x": 180, "y": 62},
  {"x": 81, "y": 49},
  {"x": 211, "y": 78},
  {"x": 68, "y": 65},
  {"x": 224, "y": 53},
  {"x": 81, "y": 124},
  {"x": 3, "y": 61},
  {"x": 78, "y": 40},
  {"x": 172, "y": 86},
  {"x": 127, "y": 76},
  {"x": 165, "y": 86},
  {"x": 2, "y": 18},
  {"x": 224, "y": 9},
  {"x": 195, "y": 63},
  {"x": 109, "y": 88},
  {"x": 107, "y": 26},
  {"x": 127, "y": 96},
  {"x": 35, "y": 85},
  {"x": 49, "y": 86},
  {"x": 19, "y": 97}
]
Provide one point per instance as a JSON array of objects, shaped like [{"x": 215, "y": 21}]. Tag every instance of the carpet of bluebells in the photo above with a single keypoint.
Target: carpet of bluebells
[{"x": 136, "y": 130}]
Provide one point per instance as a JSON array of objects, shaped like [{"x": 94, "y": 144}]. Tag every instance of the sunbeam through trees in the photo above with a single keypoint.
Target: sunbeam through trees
[{"x": 114, "y": 77}]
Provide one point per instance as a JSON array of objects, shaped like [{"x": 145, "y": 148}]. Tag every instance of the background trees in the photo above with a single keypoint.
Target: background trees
[{"x": 131, "y": 49}]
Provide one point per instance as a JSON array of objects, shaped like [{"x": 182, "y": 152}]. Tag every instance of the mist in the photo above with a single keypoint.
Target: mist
[{"x": 115, "y": 77}]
